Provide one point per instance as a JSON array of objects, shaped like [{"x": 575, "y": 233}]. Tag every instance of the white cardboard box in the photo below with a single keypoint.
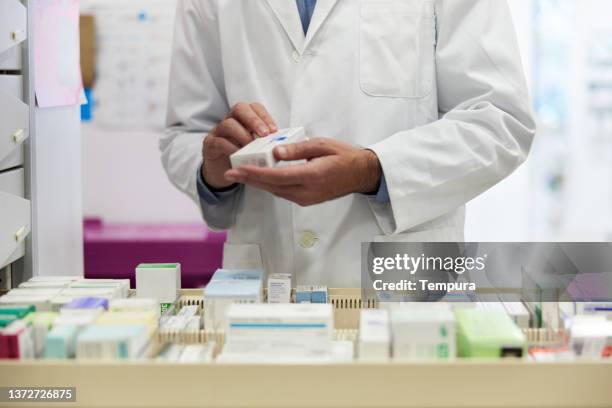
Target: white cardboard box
[
  {"x": 159, "y": 281},
  {"x": 278, "y": 331},
  {"x": 374, "y": 335},
  {"x": 279, "y": 288},
  {"x": 423, "y": 332},
  {"x": 260, "y": 152}
]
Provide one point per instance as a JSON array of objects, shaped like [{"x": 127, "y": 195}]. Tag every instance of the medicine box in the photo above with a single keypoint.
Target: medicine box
[
  {"x": 5, "y": 320},
  {"x": 16, "y": 341},
  {"x": 122, "y": 286},
  {"x": 279, "y": 331},
  {"x": 260, "y": 152},
  {"x": 423, "y": 332},
  {"x": 488, "y": 334},
  {"x": 518, "y": 313},
  {"x": 318, "y": 294},
  {"x": 227, "y": 287},
  {"x": 19, "y": 311},
  {"x": 65, "y": 279},
  {"x": 159, "y": 281},
  {"x": 374, "y": 335},
  {"x": 109, "y": 292},
  {"x": 135, "y": 305},
  {"x": 148, "y": 319},
  {"x": 237, "y": 274},
  {"x": 111, "y": 342},
  {"x": 87, "y": 303},
  {"x": 79, "y": 320},
  {"x": 60, "y": 342},
  {"x": 41, "y": 323},
  {"x": 44, "y": 285},
  {"x": 40, "y": 302},
  {"x": 279, "y": 288},
  {"x": 590, "y": 336},
  {"x": 303, "y": 294}
]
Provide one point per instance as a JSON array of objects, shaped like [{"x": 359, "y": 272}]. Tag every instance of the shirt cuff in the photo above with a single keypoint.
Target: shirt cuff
[
  {"x": 382, "y": 196},
  {"x": 208, "y": 195}
]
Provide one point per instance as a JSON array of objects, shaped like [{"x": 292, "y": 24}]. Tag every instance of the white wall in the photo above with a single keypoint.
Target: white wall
[{"x": 123, "y": 180}]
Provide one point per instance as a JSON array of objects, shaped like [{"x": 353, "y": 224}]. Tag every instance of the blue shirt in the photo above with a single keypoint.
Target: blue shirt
[
  {"x": 210, "y": 197},
  {"x": 306, "y": 9}
]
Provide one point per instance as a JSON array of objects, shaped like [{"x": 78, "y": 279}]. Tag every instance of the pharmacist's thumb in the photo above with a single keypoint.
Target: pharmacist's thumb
[{"x": 307, "y": 150}]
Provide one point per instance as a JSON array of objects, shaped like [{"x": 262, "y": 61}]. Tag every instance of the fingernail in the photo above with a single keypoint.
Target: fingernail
[
  {"x": 231, "y": 177},
  {"x": 263, "y": 130},
  {"x": 281, "y": 151}
]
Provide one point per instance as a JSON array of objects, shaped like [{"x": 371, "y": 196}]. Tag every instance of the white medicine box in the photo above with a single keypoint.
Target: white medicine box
[
  {"x": 260, "y": 152},
  {"x": 159, "y": 281}
]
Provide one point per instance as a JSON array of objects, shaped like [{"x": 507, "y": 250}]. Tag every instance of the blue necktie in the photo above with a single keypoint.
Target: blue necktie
[{"x": 306, "y": 8}]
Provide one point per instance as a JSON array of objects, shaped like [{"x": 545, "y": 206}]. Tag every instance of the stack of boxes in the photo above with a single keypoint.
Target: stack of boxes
[
  {"x": 67, "y": 317},
  {"x": 226, "y": 288},
  {"x": 311, "y": 294},
  {"x": 52, "y": 293}
]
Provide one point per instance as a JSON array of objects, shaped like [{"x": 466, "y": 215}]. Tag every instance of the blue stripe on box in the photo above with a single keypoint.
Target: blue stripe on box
[{"x": 278, "y": 326}]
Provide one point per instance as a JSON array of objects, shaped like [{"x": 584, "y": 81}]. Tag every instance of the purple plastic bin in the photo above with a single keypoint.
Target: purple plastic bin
[{"x": 114, "y": 250}]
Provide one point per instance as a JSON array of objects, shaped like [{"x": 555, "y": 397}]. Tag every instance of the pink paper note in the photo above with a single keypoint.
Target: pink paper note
[{"x": 57, "y": 68}]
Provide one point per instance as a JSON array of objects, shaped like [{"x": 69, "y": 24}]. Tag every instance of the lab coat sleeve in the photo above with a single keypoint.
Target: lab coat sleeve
[
  {"x": 196, "y": 104},
  {"x": 486, "y": 125}
]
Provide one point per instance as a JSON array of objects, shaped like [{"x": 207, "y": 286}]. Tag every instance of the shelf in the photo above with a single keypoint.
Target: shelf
[{"x": 461, "y": 383}]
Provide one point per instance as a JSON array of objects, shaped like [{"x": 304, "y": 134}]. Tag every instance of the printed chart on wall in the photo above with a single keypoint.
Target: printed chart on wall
[
  {"x": 56, "y": 48},
  {"x": 134, "y": 41}
]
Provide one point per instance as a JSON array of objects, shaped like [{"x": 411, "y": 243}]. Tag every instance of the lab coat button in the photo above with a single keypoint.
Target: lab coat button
[
  {"x": 296, "y": 56},
  {"x": 308, "y": 239}
]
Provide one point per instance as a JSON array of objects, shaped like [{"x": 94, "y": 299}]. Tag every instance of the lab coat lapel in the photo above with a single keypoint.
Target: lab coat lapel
[
  {"x": 289, "y": 17},
  {"x": 321, "y": 12}
]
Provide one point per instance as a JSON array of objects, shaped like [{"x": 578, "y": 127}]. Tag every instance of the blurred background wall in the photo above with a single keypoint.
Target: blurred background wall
[{"x": 564, "y": 192}]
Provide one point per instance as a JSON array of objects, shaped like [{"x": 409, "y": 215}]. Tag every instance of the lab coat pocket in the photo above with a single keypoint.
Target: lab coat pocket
[
  {"x": 242, "y": 256},
  {"x": 433, "y": 235},
  {"x": 397, "y": 48}
]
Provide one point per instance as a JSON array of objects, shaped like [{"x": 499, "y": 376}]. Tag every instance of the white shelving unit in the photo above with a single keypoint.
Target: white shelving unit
[{"x": 40, "y": 167}]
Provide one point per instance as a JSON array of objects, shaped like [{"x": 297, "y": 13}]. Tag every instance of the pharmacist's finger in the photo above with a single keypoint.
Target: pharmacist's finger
[
  {"x": 271, "y": 188},
  {"x": 233, "y": 131},
  {"x": 307, "y": 150},
  {"x": 215, "y": 147},
  {"x": 265, "y": 116},
  {"x": 279, "y": 176},
  {"x": 246, "y": 115}
]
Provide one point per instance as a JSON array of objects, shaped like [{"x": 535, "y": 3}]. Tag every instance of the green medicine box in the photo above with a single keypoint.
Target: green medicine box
[
  {"x": 18, "y": 311},
  {"x": 488, "y": 334},
  {"x": 159, "y": 281}
]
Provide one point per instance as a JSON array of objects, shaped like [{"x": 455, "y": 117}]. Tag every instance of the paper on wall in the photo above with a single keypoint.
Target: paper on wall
[{"x": 57, "y": 72}]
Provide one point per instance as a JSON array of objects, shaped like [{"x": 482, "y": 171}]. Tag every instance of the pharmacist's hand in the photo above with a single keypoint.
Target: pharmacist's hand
[
  {"x": 243, "y": 123},
  {"x": 334, "y": 169}
]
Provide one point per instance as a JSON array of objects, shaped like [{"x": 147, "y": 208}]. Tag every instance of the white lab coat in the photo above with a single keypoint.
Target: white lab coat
[{"x": 435, "y": 88}]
